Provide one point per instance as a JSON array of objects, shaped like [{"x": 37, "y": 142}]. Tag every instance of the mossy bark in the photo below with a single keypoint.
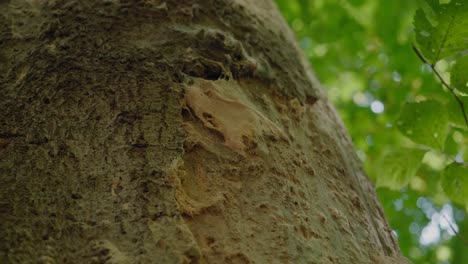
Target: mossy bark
[{"x": 173, "y": 132}]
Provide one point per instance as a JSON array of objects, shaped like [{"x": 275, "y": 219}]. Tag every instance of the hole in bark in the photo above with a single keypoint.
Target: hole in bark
[
  {"x": 104, "y": 251},
  {"x": 186, "y": 115},
  {"x": 210, "y": 240},
  {"x": 155, "y": 173},
  {"x": 144, "y": 187},
  {"x": 140, "y": 145},
  {"x": 206, "y": 69},
  {"x": 213, "y": 72},
  {"x": 75, "y": 196},
  {"x": 209, "y": 118},
  {"x": 311, "y": 99},
  {"x": 192, "y": 258}
]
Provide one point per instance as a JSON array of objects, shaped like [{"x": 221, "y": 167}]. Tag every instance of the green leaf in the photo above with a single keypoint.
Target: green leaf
[
  {"x": 441, "y": 29},
  {"x": 455, "y": 183},
  {"x": 397, "y": 167},
  {"x": 424, "y": 123},
  {"x": 455, "y": 112},
  {"x": 459, "y": 75}
]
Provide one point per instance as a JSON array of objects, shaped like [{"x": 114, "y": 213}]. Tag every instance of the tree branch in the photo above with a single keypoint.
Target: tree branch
[
  {"x": 454, "y": 230},
  {"x": 444, "y": 83}
]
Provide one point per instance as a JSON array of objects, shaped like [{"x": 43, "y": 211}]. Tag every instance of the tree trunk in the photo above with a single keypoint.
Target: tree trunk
[{"x": 173, "y": 132}]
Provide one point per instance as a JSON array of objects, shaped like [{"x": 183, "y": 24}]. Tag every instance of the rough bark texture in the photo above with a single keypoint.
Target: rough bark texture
[{"x": 173, "y": 132}]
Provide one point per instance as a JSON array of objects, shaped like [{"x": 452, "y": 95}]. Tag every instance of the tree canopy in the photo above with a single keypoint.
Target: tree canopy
[{"x": 398, "y": 73}]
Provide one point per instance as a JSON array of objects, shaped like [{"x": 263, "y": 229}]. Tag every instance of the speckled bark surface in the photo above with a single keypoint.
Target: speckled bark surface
[{"x": 173, "y": 132}]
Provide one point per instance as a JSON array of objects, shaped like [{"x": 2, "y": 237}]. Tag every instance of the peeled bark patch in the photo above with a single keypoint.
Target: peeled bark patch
[{"x": 230, "y": 114}]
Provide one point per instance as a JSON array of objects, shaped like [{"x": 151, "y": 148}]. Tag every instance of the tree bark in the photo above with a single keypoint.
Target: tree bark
[{"x": 173, "y": 132}]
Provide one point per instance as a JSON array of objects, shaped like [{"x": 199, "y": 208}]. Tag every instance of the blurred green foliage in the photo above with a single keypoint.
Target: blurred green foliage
[{"x": 407, "y": 128}]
